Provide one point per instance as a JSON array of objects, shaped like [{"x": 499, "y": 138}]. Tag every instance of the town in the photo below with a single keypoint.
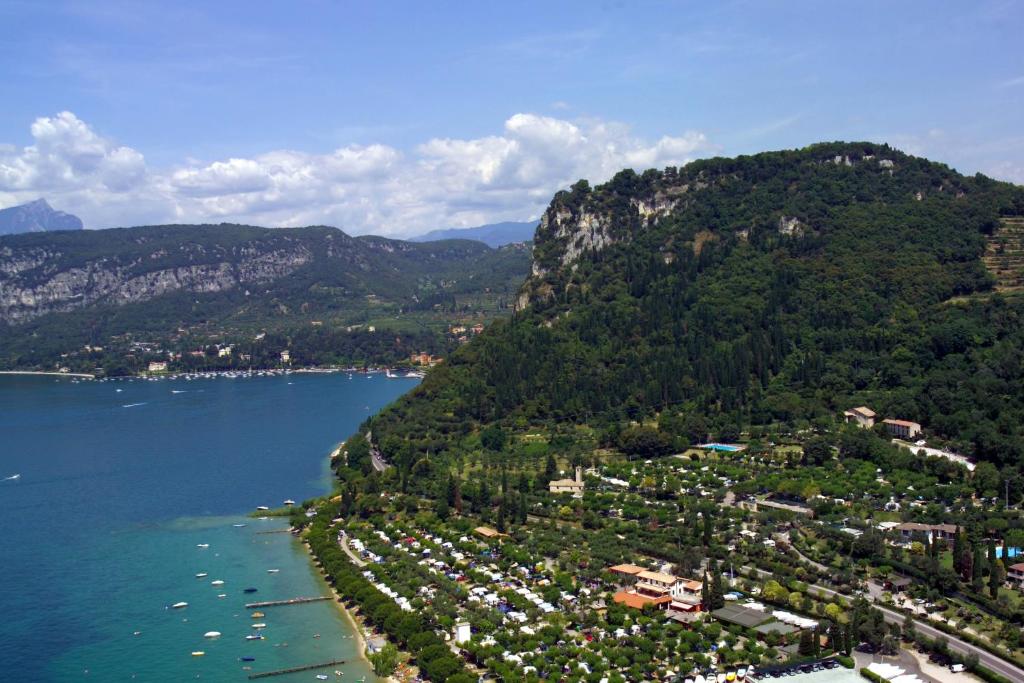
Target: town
[{"x": 774, "y": 555}]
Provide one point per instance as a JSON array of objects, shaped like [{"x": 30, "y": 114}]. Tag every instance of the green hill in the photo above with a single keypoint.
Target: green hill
[
  {"x": 764, "y": 293},
  {"x": 61, "y": 290}
]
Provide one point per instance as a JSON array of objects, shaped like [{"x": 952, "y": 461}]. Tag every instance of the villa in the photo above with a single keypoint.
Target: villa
[
  {"x": 573, "y": 486},
  {"x": 902, "y": 428},
  {"x": 863, "y": 417}
]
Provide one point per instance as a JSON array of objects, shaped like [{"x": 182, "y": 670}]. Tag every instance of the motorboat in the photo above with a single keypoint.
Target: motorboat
[
  {"x": 202, "y": 545},
  {"x": 222, "y": 595},
  {"x": 217, "y": 582},
  {"x": 289, "y": 502},
  {"x": 262, "y": 508},
  {"x": 257, "y": 615},
  {"x": 273, "y": 571},
  {"x": 238, "y": 526},
  {"x": 211, "y": 634},
  {"x": 255, "y": 636},
  {"x": 247, "y": 659},
  {"x": 179, "y": 605},
  {"x": 250, "y": 590},
  {"x": 259, "y": 625},
  {"x": 198, "y": 653},
  {"x": 201, "y": 575}
]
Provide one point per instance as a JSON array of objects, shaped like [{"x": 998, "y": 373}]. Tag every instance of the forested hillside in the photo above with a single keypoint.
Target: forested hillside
[
  {"x": 764, "y": 293},
  {"x": 59, "y": 291}
]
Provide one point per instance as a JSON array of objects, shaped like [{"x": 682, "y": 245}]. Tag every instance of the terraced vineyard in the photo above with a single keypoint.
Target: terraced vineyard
[{"x": 1004, "y": 256}]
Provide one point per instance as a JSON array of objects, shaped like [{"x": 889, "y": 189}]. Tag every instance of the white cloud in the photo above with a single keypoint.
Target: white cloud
[{"x": 360, "y": 188}]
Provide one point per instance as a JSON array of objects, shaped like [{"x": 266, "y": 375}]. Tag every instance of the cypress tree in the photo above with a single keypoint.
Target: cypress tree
[{"x": 978, "y": 570}]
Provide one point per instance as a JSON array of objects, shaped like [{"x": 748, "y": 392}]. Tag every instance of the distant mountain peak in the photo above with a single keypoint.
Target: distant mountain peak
[
  {"x": 493, "y": 235},
  {"x": 36, "y": 216}
]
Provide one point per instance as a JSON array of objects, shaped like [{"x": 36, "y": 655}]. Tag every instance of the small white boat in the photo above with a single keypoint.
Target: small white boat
[
  {"x": 222, "y": 595},
  {"x": 179, "y": 605},
  {"x": 322, "y": 677},
  {"x": 238, "y": 526},
  {"x": 259, "y": 625},
  {"x": 211, "y": 634},
  {"x": 273, "y": 571},
  {"x": 217, "y": 582},
  {"x": 13, "y": 477},
  {"x": 262, "y": 507},
  {"x": 289, "y": 502},
  {"x": 255, "y": 636},
  {"x": 201, "y": 575},
  {"x": 202, "y": 545},
  {"x": 198, "y": 653}
]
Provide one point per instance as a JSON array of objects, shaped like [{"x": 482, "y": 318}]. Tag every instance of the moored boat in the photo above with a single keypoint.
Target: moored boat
[
  {"x": 179, "y": 605},
  {"x": 211, "y": 634}
]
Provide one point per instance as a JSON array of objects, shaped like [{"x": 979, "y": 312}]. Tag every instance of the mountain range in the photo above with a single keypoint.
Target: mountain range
[
  {"x": 493, "y": 235},
  {"x": 37, "y": 216},
  {"x": 58, "y": 290}
]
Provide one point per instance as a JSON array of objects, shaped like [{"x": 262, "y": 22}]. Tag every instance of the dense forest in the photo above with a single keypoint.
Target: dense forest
[{"x": 761, "y": 294}]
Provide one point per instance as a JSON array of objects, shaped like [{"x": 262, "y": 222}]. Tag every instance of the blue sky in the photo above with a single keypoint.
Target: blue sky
[{"x": 397, "y": 118}]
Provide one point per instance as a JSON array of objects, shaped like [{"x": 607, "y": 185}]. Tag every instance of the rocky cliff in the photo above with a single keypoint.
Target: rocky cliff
[{"x": 44, "y": 274}]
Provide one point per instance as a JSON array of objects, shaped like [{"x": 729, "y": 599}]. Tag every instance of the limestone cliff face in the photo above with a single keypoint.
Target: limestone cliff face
[
  {"x": 32, "y": 285},
  {"x": 313, "y": 268},
  {"x": 583, "y": 221}
]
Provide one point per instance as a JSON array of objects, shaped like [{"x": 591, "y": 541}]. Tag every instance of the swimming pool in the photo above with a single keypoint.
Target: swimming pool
[{"x": 730, "y": 448}]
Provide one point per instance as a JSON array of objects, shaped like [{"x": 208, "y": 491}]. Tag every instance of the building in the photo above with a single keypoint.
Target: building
[
  {"x": 1015, "y": 575},
  {"x": 573, "y": 486},
  {"x": 638, "y": 601},
  {"x": 158, "y": 366},
  {"x": 286, "y": 356},
  {"x": 487, "y": 532},
  {"x": 627, "y": 573},
  {"x": 463, "y": 633},
  {"x": 933, "y": 532},
  {"x": 224, "y": 351},
  {"x": 902, "y": 429},
  {"x": 862, "y": 417}
]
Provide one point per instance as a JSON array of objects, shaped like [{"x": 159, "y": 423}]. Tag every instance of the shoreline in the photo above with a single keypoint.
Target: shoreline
[
  {"x": 354, "y": 622},
  {"x": 41, "y": 373}
]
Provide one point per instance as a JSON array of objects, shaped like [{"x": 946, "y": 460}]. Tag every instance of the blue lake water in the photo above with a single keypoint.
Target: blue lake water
[{"x": 118, "y": 488}]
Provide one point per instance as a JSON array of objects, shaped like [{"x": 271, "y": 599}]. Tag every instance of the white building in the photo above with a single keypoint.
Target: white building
[{"x": 573, "y": 486}]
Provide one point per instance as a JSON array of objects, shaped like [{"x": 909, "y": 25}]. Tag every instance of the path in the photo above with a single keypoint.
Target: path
[{"x": 343, "y": 542}]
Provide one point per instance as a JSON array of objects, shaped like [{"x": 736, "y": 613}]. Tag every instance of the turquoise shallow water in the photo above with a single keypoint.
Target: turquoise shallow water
[{"x": 117, "y": 489}]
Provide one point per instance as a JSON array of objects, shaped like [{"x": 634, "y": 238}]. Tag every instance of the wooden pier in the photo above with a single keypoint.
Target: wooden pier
[
  {"x": 290, "y": 601},
  {"x": 294, "y": 669}
]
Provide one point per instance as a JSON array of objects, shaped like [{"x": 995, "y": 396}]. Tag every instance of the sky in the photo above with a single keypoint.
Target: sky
[{"x": 401, "y": 117}]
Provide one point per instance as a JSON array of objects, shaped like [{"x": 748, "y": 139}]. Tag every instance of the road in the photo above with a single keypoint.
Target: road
[
  {"x": 343, "y": 542},
  {"x": 988, "y": 660},
  {"x": 376, "y": 459}
]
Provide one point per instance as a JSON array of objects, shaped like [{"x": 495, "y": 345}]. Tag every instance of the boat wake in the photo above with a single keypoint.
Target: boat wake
[
  {"x": 178, "y": 391},
  {"x": 13, "y": 477},
  {"x": 132, "y": 405}
]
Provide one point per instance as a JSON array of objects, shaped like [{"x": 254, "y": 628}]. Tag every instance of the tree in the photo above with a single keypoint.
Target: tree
[
  {"x": 806, "y": 648},
  {"x": 644, "y": 442},
  {"x": 493, "y": 438},
  {"x": 817, "y": 451},
  {"x": 501, "y": 516},
  {"x": 717, "y": 593},
  {"x": 978, "y": 570},
  {"x": 385, "y": 660},
  {"x": 550, "y": 468}
]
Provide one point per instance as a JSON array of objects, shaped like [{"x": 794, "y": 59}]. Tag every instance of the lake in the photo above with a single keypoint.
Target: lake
[{"x": 123, "y": 481}]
